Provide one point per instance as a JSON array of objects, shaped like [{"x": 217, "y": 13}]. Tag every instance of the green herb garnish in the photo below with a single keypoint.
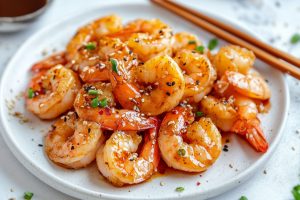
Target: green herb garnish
[
  {"x": 296, "y": 192},
  {"x": 181, "y": 152},
  {"x": 179, "y": 189},
  {"x": 243, "y": 198},
  {"x": 200, "y": 49},
  {"x": 192, "y": 42},
  {"x": 103, "y": 103},
  {"x": 199, "y": 114},
  {"x": 93, "y": 92},
  {"x": 114, "y": 64},
  {"x": 90, "y": 46},
  {"x": 213, "y": 43},
  {"x": 30, "y": 93},
  {"x": 95, "y": 102},
  {"x": 28, "y": 195},
  {"x": 295, "y": 38}
]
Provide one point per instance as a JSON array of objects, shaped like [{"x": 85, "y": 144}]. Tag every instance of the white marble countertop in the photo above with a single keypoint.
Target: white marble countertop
[{"x": 274, "y": 21}]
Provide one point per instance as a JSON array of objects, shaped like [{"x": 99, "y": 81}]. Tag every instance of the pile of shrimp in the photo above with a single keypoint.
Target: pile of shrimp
[{"x": 130, "y": 96}]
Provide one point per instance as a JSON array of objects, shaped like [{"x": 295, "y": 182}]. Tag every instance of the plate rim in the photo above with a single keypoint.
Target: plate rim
[{"x": 75, "y": 191}]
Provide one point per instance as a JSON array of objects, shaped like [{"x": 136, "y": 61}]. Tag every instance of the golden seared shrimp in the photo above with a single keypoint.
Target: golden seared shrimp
[
  {"x": 52, "y": 92},
  {"x": 91, "y": 32},
  {"x": 92, "y": 63},
  {"x": 153, "y": 38},
  {"x": 96, "y": 73},
  {"x": 90, "y": 60},
  {"x": 163, "y": 81},
  {"x": 188, "y": 145},
  {"x": 115, "y": 48},
  {"x": 183, "y": 40},
  {"x": 51, "y": 61},
  {"x": 251, "y": 85},
  {"x": 119, "y": 161},
  {"x": 199, "y": 74},
  {"x": 82, "y": 50},
  {"x": 233, "y": 58},
  {"x": 73, "y": 142},
  {"x": 95, "y": 102},
  {"x": 237, "y": 114},
  {"x": 90, "y": 66}
]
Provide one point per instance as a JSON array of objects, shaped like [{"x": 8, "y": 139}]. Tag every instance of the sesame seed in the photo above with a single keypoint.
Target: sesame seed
[{"x": 170, "y": 123}]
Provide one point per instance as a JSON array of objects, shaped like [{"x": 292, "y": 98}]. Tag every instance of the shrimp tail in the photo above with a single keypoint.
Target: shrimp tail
[
  {"x": 151, "y": 149},
  {"x": 49, "y": 62},
  {"x": 127, "y": 120},
  {"x": 253, "y": 133}
]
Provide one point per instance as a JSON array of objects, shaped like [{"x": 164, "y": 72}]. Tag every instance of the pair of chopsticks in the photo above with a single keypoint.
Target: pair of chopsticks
[{"x": 274, "y": 57}]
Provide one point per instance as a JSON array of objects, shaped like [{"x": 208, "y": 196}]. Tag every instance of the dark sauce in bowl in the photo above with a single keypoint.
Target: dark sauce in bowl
[{"x": 16, "y": 8}]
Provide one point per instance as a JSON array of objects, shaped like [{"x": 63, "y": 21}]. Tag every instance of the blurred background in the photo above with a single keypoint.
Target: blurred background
[{"x": 275, "y": 21}]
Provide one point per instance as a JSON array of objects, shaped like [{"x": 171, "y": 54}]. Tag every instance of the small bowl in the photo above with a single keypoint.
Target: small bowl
[{"x": 13, "y": 24}]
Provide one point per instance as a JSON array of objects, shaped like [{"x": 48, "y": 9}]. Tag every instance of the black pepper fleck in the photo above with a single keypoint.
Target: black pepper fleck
[{"x": 225, "y": 148}]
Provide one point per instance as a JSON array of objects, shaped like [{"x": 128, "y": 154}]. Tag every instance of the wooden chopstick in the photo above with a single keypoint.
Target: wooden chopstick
[{"x": 231, "y": 36}]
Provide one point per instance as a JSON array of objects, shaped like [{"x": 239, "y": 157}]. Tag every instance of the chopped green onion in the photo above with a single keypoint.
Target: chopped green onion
[
  {"x": 243, "y": 198},
  {"x": 192, "y": 42},
  {"x": 295, "y": 38},
  {"x": 213, "y": 43},
  {"x": 90, "y": 46},
  {"x": 28, "y": 195},
  {"x": 114, "y": 64},
  {"x": 296, "y": 192},
  {"x": 95, "y": 102},
  {"x": 199, "y": 114},
  {"x": 93, "y": 92},
  {"x": 103, "y": 103},
  {"x": 179, "y": 189},
  {"x": 200, "y": 49},
  {"x": 30, "y": 93},
  {"x": 181, "y": 152}
]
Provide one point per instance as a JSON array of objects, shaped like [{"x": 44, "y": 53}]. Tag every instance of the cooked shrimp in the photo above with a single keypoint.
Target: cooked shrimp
[
  {"x": 237, "y": 114},
  {"x": 96, "y": 73},
  {"x": 251, "y": 85},
  {"x": 199, "y": 74},
  {"x": 233, "y": 58},
  {"x": 95, "y": 102},
  {"x": 92, "y": 64},
  {"x": 164, "y": 86},
  {"x": 73, "y": 142},
  {"x": 119, "y": 161},
  {"x": 90, "y": 61},
  {"x": 186, "y": 144},
  {"x": 92, "y": 32},
  {"x": 183, "y": 40},
  {"x": 83, "y": 49},
  {"x": 150, "y": 38},
  {"x": 115, "y": 48},
  {"x": 51, "y": 61},
  {"x": 89, "y": 64},
  {"x": 52, "y": 92}
]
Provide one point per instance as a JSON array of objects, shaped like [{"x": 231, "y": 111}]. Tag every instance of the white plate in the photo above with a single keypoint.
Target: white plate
[{"x": 87, "y": 183}]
